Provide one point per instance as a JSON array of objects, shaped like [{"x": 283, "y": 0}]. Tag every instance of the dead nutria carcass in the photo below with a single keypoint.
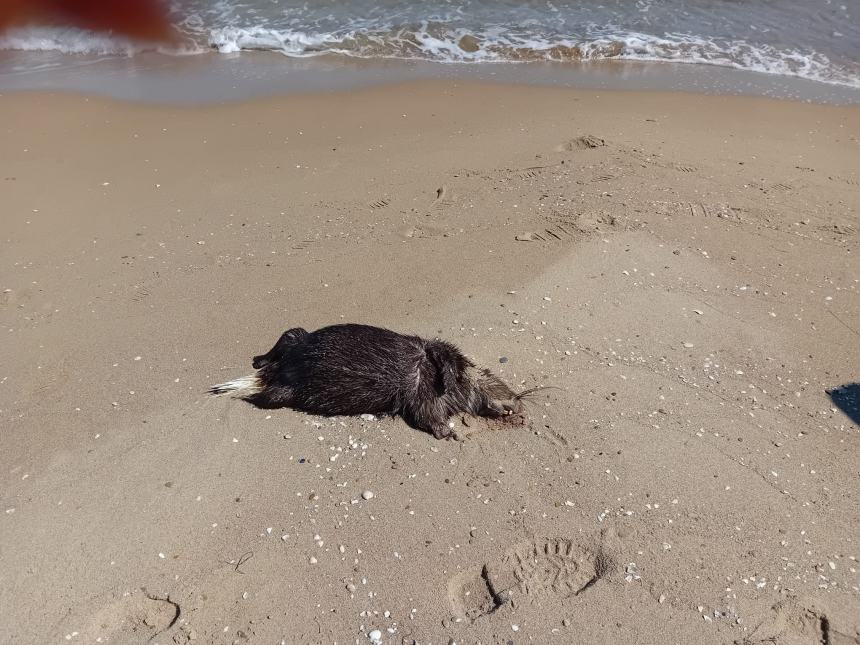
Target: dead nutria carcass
[{"x": 357, "y": 369}]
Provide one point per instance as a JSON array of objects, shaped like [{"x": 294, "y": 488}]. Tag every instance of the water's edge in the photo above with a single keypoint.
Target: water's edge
[
  {"x": 155, "y": 78},
  {"x": 814, "y": 40}
]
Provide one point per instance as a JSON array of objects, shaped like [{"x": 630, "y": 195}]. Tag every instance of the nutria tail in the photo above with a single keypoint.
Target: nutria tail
[{"x": 240, "y": 387}]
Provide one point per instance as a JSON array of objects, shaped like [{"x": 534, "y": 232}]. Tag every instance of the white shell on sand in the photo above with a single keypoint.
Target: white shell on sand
[{"x": 367, "y": 494}]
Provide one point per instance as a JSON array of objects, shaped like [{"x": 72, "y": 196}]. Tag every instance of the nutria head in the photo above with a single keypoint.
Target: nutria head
[{"x": 489, "y": 389}]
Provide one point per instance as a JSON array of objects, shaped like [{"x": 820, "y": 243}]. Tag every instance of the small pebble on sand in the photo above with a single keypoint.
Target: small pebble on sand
[
  {"x": 375, "y": 636},
  {"x": 631, "y": 572},
  {"x": 367, "y": 494}
]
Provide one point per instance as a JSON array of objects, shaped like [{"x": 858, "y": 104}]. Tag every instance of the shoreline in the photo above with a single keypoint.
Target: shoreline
[
  {"x": 218, "y": 78},
  {"x": 681, "y": 267}
]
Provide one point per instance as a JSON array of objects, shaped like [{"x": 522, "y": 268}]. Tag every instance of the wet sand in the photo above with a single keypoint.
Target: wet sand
[
  {"x": 682, "y": 268},
  {"x": 154, "y": 78}
]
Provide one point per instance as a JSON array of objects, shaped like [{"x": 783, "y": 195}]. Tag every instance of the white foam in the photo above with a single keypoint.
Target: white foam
[
  {"x": 442, "y": 42},
  {"x": 292, "y": 43},
  {"x": 498, "y": 45},
  {"x": 683, "y": 48},
  {"x": 65, "y": 41},
  {"x": 73, "y": 41}
]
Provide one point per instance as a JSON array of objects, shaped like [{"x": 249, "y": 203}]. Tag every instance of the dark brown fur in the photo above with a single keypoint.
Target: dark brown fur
[{"x": 356, "y": 369}]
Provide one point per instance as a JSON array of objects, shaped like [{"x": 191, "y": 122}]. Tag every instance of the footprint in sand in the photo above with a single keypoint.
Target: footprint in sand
[
  {"x": 803, "y": 622},
  {"x": 684, "y": 168},
  {"x": 303, "y": 245},
  {"x": 533, "y": 570},
  {"x": 380, "y": 203},
  {"x": 698, "y": 209},
  {"x": 555, "y": 233},
  {"x": 444, "y": 199},
  {"x": 422, "y": 231},
  {"x": 584, "y": 142},
  {"x": 572, "y": 228},
  {"x": 604, "y": 177},
  {"x": 140, "y": 293},
  {"x": 136, "y": 618},
  {"x": 781, "y": 186},
  {"x": 49, "y": 382},
  {"x": 845, "y": 180},
  {"x": 530, "y": 173}
]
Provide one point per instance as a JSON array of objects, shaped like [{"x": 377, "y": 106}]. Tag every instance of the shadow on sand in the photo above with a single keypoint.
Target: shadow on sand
[{"x": 847, "y": 399}]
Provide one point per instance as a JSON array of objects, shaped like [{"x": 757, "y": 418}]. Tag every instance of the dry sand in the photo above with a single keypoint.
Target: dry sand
[{"x": 683, "y": 268}]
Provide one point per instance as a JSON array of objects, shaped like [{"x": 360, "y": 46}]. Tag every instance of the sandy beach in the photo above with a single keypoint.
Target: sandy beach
[{"x": 681, "y": 269}]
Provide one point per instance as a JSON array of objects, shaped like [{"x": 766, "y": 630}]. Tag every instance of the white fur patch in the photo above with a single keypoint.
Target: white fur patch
[{"x": 244, "y": 386}]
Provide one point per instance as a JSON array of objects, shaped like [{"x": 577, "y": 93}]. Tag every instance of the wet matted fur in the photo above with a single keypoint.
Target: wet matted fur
[{"x": 356, "y": 369}]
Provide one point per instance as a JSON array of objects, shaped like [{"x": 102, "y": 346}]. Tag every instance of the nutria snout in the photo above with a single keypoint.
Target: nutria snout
[{"x": 356, "y": 369}]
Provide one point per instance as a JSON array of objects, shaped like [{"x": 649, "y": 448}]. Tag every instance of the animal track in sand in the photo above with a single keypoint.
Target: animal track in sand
[{"x": 536, "y": 569}]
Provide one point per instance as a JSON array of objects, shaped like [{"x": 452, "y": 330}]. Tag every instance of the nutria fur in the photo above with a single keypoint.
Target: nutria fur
[{"x": 357, "y": 369}]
